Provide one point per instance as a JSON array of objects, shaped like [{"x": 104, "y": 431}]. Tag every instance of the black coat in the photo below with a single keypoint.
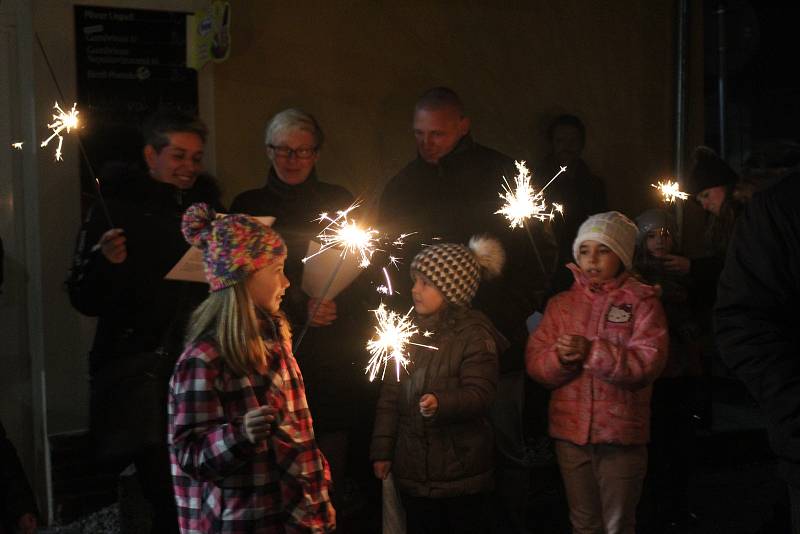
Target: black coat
[
  {"x": 454, "y": 200},
  {"x": 16, "y": 495},
  {"x": 137, "y": 309},
  {"x": 452, "y": 453},
  {"x": 332, "y": 358},
  {"x": 755, "y": 321}
]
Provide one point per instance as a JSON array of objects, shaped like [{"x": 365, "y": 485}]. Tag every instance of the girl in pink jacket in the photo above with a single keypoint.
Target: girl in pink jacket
[{"x": 600, "y": 346}]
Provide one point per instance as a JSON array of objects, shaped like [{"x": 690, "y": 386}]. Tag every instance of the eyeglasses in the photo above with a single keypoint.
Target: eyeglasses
[{"x": 286, "y": 152}]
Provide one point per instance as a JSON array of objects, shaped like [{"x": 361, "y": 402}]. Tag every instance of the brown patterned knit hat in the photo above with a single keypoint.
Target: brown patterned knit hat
[{"x": 456, "y": 270}]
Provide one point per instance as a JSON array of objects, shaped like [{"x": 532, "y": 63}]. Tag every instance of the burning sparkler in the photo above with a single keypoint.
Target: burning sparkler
[
  {"x": 17, "y": 145},
  {"x": 522, "y": 202},
  {"x": 670, "y": 191},
  {"x": 63, "y": 120},
  {"x": 346, "y": 234},
  {"x": 394, "y": 333}
]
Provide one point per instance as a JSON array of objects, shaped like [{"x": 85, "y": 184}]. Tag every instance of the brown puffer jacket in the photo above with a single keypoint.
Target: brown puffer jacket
[{"x": 451, "y": 453}]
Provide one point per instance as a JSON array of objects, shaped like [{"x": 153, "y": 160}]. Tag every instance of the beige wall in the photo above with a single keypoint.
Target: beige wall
[{"x": 359, "y": 66}]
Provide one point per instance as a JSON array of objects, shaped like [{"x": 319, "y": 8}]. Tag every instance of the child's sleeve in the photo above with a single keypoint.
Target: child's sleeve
[
  {"x": 477, "y": 377},
  {"x": 639, "y": 362},
  {"x": 207, "y": 446},
  {"x": 305, "y": 474},
  {"x": 541, "y": 357},
  {"x": 384, "y": 432}
]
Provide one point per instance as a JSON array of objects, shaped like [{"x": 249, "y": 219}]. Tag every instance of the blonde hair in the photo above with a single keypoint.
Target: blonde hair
[{"x": 231, "y": 317}]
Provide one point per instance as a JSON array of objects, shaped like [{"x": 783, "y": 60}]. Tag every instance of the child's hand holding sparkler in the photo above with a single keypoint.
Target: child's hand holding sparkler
[
  {"x": 258, "y": 423},
  {"x": 324, "y": 312},
  {"x": 677, "y": 264},
  {"x": 572, "y": 350},
  {"x": 428, "y": 405},
  {"x": 112, "y": 245}
]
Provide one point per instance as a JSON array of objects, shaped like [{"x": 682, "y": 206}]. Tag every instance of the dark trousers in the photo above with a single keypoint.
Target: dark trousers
[
  {"x": 794, "y": 504},
  {"x": 154, "y": 473},
  {"x": 466, "y": 514}
]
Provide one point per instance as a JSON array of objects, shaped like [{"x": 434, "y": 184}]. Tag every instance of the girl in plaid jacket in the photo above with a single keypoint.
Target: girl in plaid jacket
[{"x": 242, "y": 447}]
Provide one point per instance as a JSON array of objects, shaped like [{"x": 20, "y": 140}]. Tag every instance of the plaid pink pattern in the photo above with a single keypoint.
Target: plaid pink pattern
[{"x": 224, "y": 483}]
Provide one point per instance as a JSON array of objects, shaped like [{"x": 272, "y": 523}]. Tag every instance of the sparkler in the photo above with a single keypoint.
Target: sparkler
[
  {"x": 17, "y": 145},
  {"x": 394, "y": 333},
  {"x": 522, "y": 202},
  {"x": 341, "y": 232},
  {"x": 63, "y": 120},
  {"x": 670, "y": 191}
]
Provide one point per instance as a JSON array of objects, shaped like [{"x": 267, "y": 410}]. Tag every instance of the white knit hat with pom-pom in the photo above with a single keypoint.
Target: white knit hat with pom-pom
[{"x": 456, "y": 270}]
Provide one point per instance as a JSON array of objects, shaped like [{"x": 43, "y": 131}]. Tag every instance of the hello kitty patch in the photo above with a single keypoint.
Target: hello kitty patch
[{"x": 620, "y": 314}]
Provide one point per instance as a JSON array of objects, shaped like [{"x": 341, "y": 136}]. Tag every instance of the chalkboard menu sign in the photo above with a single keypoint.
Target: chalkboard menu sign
[{"x": 131, "y": 63}]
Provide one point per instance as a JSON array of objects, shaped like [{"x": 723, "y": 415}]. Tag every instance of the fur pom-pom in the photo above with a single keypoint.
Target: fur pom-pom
[
  {"x": 490, "y": 254},
  {"x": 196, "y": 224}
]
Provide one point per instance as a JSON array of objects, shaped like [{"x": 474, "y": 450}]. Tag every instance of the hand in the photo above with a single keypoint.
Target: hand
[
  {"x": 27, "y": 524},
  {"x": 677, "y": 264},
  {"x": 428, "y": 404},
  {"x": 571, "y": 349},
  {"x": 326, "y": 313},
  {"x": 112, "y": 245},
  {"x": 381, "y": 468},
  {"x": 258, "y": 423}
]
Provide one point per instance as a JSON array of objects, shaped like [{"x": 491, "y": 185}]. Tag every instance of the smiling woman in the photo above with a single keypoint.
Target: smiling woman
[{"x": 118, "y": 276}]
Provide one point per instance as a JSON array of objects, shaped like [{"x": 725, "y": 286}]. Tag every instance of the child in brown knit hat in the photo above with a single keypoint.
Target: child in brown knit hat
[{"x": 432, "y": 429}]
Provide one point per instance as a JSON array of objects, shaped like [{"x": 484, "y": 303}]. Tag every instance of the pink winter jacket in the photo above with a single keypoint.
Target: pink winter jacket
[{"x": 607, "y": 400}]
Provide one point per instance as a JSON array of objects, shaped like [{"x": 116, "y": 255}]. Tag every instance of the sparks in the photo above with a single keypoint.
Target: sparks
[
  {"x": 393, "y": 335},
  {"x": 388, "y": 281},
  {"x": 427, "y": 333},
  {"x": 17, "y": 145},
  {"x": 63, "y": 120},
  {"x": 522, "y": 202},
  {"x": 670, "y": 191},
  {"x": 393, "y": 260},
  {"x": 341, "y": 232},
  {"x": 559, "y": 208},
  {"x": 400, "y": 241},
  {"x": 383, "y": 290}
]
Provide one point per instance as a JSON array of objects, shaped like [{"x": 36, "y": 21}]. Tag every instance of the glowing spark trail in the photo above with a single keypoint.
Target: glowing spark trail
[
  {"x": 63, "y": 120},
  {"x": 17, "y": 145},
  {"x": 522, "y": 202},
  {"x": 558, "y": 207},
  {"x": 341, "y": 232},
  {"x": 670, "y": 191},
  {"x": 394, "y": 333},
  {"x": 388, "y": 281}
]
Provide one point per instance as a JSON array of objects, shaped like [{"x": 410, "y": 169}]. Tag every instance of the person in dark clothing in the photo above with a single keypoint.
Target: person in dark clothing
[
  {"x": 754, "y": 316},
  {"x": 578, "y": 188},
  {"x": 432, "y": 429},
  {"x": 331, "y": 355},
  {"x": 118, "y": 276},
  {"x": 450, "y": 192},
  {"x": 665, "y": 502},
  {"x": 18, "y": 510}
]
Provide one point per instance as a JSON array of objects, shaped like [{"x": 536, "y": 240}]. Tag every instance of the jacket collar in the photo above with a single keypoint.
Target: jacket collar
[
  {"x": 582, "y": 281},
  {"x": 464, "y": 144},
  {"x": 276, "y": 186}
]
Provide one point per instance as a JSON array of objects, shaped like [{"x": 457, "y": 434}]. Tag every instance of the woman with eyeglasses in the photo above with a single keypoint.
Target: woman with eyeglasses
[{"x": 331, "y": 354}]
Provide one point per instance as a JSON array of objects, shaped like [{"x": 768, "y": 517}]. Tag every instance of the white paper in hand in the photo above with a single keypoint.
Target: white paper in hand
[
  {"x": 190, "y": 267},
  {"x": 317, "y": 271}
]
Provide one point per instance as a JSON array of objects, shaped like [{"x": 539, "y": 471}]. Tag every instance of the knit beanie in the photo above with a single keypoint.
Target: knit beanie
[
  {"x": 612, "y": 229},
  {"x": 654, "y": 219},
  {"x": 233, "y": 245},
  {"x": 456, "y": 270},
  {"x": 709, "y": 170}
]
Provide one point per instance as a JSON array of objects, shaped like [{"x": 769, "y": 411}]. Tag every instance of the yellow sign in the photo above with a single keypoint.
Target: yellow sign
[{"x": 208, "y": 35}]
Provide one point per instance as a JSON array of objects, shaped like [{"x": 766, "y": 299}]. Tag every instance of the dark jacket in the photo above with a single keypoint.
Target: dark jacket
[
  {"x": 454, "y": 200},
  {"x": 451, "y": 453},
  {"x": 755, "y": 323},
  {"x": 331, "y": 357},
  {"x": 16, "y": 495},
  {"x": 137, "y": 309}
]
